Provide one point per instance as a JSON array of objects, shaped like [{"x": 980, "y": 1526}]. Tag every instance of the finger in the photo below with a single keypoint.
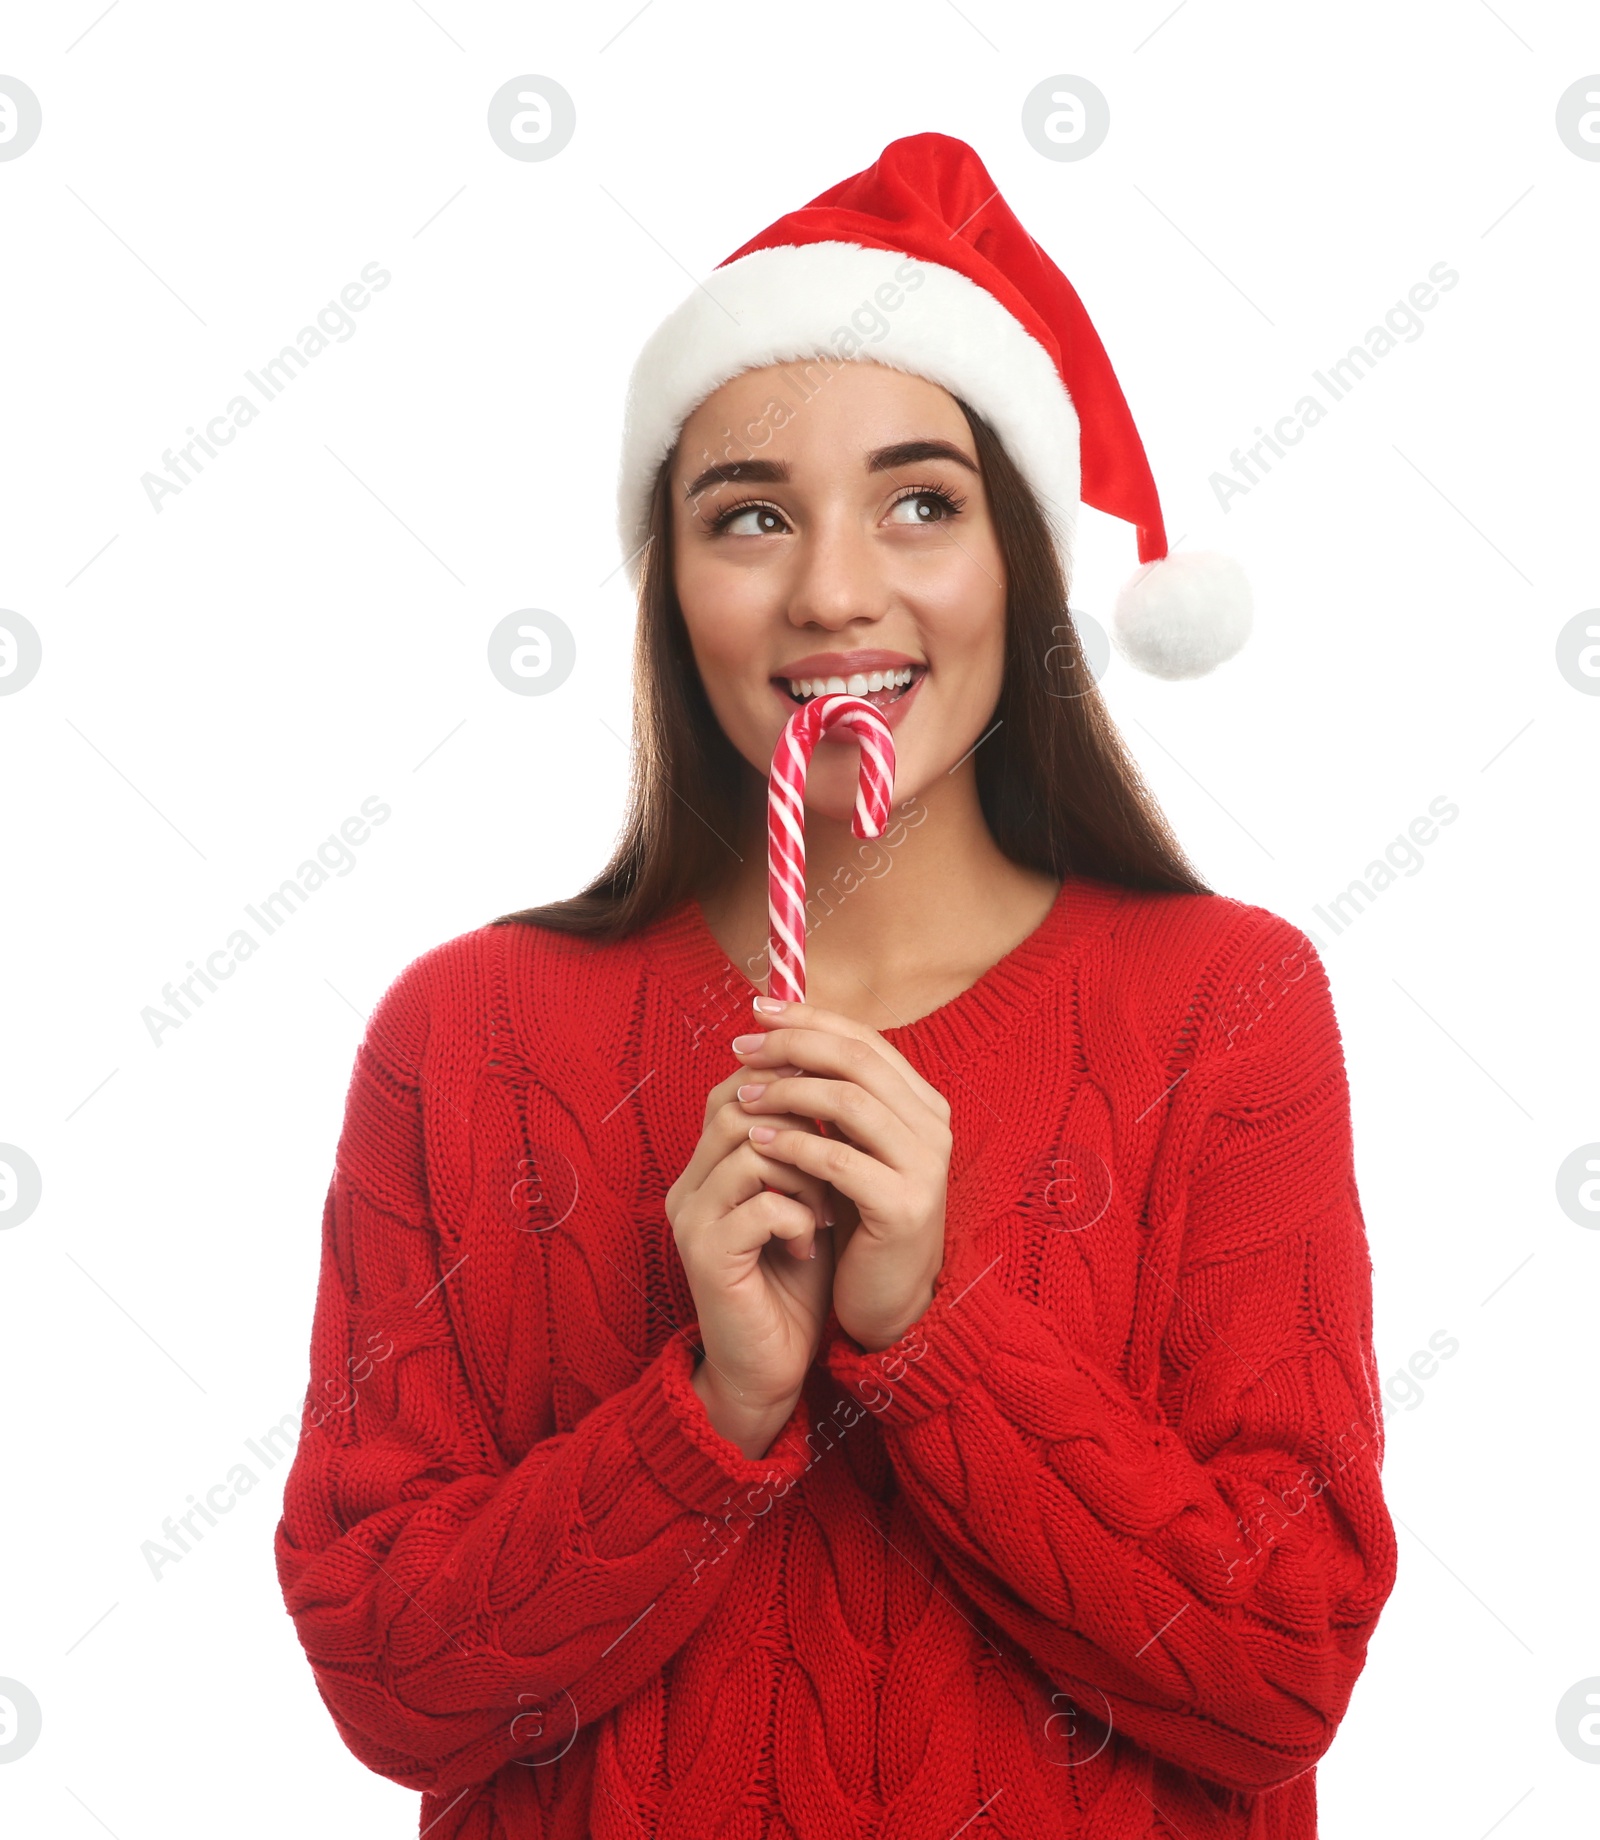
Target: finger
[
  {"x": 712, "y": 1147},
  {"x": 767, "y": 1216},
  {"x": 852, "y": 1053},
  {"x": 811, "y": 1015},
  {"x": 756, "y": 1083},
  {"x": 740, "y": 1171},
  {"x": 725, "y": 1088},
  {"x": 861, "y": 1117},
  {"x": 760, "y": 1198},
  {"x": 730, "y": 1128},
  {"x": 846, "y": 1029},
  {"x": 869, "y": 1184}
]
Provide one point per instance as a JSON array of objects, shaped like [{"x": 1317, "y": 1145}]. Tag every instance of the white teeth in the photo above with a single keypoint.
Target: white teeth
[{"x": 860, "y": 683}]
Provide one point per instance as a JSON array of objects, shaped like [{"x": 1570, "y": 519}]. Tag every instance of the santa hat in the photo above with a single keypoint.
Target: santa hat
[{"x": 979, "y": 309}]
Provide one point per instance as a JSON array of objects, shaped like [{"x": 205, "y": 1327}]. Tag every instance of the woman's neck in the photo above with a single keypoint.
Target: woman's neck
[{"x": 897, "y": 926}]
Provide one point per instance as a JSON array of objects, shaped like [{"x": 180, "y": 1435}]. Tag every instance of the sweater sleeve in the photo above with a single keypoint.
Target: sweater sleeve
[
  {"x": 459, "y": 1610},
  {"x": 1200, "y": 1568}
]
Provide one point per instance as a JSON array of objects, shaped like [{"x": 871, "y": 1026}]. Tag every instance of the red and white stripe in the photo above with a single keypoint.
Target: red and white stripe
[{"x": 786, "y": 822}]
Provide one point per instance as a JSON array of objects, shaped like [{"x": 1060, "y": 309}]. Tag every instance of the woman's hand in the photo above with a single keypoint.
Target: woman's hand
[
  {"x": 759, "y": 1265},
  {"x": 891, "y": 1157}
]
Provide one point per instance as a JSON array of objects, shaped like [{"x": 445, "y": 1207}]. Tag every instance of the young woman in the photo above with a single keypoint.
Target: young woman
[{"x": 1002, "y": 1460}]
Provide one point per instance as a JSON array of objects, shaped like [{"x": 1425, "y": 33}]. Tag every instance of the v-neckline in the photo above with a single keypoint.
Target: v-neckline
[{"x": 967, "y": 1026}]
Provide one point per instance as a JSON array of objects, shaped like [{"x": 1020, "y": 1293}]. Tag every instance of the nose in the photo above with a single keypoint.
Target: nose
[{"x": 838, "y": 575}]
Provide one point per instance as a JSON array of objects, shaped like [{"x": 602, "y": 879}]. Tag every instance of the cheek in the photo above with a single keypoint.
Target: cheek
[
  {"x": 722, "y": 627},
  {"x": 723, "y": 617},
  {"x": 965, "y": 626},
  {"x": 711, "y": 608}
]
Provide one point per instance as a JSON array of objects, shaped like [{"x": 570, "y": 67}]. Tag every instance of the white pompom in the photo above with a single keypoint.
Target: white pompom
[{"x": 1183, "y": 615}]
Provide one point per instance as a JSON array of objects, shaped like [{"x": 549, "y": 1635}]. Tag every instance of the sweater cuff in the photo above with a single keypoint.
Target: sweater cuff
[
  {"x": 695, "y": 1462},
  {"x": 933, "y": 1362}
]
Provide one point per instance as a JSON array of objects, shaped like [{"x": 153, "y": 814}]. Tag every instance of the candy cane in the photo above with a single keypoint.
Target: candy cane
[{"x": 786, "y": 822}]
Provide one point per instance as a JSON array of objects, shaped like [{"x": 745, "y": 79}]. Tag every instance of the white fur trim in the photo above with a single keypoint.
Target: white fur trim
[
  {"x": 1183, "y": 615},
  {"x": 796, "y": 302}
]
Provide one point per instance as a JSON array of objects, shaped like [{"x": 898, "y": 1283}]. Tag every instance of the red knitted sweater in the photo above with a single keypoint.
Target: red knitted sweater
[{"x": 1094, "y": 1551}]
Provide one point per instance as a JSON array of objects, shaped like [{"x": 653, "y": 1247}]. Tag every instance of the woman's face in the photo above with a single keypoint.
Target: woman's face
[{"x": 839, "y": 535}]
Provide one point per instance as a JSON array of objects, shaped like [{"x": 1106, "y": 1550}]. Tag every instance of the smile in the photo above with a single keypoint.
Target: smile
[
  {"x": 895, "y": 695},
  {"x": 881, "y": 688}
]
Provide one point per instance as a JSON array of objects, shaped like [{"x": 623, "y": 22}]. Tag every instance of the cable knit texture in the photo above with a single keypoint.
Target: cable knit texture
[{"x": 1094, "y": 1551}]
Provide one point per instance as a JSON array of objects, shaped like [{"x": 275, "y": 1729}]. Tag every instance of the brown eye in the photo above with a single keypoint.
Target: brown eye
[
  {"x": 749, "y": 521},
  {"x": 926, "y": 505}
]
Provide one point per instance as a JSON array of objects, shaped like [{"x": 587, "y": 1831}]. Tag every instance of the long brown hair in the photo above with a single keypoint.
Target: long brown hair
[{"x": 1056, "y": 783}]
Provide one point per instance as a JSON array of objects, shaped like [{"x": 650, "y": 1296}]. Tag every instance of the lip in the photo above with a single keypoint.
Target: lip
[{"x": 843, "y": 664}]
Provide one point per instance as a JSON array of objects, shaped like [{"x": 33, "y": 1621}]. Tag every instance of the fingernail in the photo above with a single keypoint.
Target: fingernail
[
  {"x": 763, "y": 1133},
  {"x": 747, "y": 1044},
  {"x": 768, "y": 1005},
  {"x": 813, "y": 1252},
  {"x": 751, "y": 1092}
]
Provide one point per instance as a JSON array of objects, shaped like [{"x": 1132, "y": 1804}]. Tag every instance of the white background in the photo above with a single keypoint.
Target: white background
[{"x": 305, "y": 625}]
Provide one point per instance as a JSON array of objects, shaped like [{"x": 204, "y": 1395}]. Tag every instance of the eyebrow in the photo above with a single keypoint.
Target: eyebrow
[{"x": 776, "y": 472}]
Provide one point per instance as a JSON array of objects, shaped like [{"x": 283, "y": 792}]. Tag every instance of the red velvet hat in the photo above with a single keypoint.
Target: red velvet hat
[{"x": 919, "y": 263}]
